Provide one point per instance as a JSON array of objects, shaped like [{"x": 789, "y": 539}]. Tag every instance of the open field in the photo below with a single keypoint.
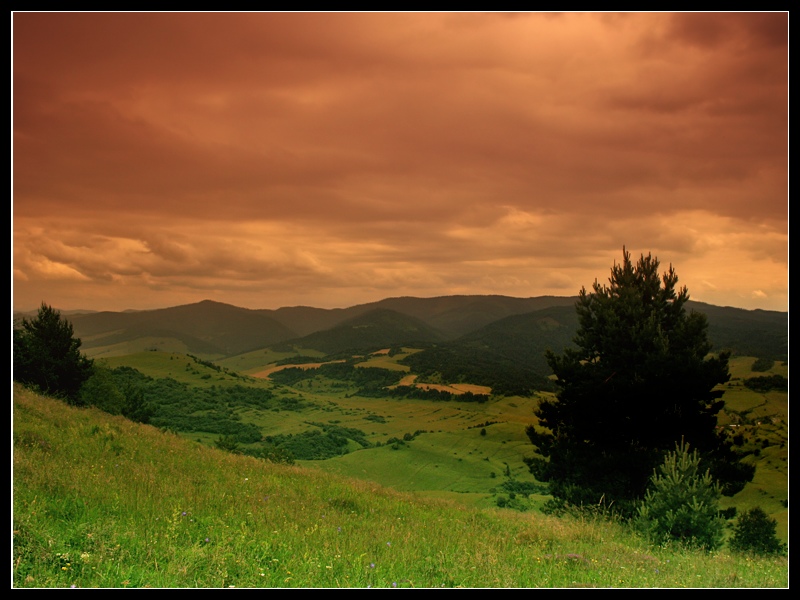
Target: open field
[
  {"x": 447, "y": 454},
  {"x": 270, "y": 370},
  {"x": 100, "y": 501}
]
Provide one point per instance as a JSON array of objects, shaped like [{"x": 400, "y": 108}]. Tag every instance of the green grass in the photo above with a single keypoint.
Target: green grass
[
  {"x": 180, "y": 367},
  {"x": 451, "y": 460},
  {"x": 143, "y": 344},
  {"x": 762, "y": 418},
  {"x": 384, "y": 361},
  {"x": 741, "y": 367},
  {"x": 100, "y": 501},
  {"x": 252, "y": 362},
  {"x": 460, "y": 462}
]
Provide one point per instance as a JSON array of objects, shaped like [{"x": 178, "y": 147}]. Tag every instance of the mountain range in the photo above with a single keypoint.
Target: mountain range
[{"x": 500, "y": 325}]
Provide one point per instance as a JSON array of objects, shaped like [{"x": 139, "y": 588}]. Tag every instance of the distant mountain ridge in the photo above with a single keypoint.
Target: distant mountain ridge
[
  {"x": 453, "y": 316},
  {"x": 206, "y": 327},
  {"x": 493, "y": 323},
  {"x": 373, "y": 330}
]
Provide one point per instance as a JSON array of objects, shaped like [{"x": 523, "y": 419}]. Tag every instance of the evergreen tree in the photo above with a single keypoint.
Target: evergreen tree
[
  {"x": 755, "y": 532},
  {"x": 682, "y": 503},
  {"x": 47, "y": 355},
  {"x": 639, "y": 381}
]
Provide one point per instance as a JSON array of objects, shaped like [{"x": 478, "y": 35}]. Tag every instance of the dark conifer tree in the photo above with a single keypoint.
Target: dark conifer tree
[
  {"x": 640, "y": 381},
  {"x": 47, "y": 355}
]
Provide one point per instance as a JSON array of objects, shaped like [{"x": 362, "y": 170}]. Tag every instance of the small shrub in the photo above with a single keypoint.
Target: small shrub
[
  {"x": 227, "y": 443},
  {"x": 682, "y": 503},
  {"x": 754, "y": 532},
  {"x": 762, "y": 364}
]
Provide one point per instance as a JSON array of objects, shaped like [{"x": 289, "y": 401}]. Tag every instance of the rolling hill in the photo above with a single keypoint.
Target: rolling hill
[
  {"x": 507, "y": 355},
  {"x": 517, "y": 329},
  {"x": 370, "y": 331},
  {"x": 208, "y": 328},
  {"x": 452, "y": 316}
]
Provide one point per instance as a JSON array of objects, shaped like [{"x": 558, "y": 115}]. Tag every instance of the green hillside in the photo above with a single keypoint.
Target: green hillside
[
  {"x": 373, "y": 330},
  {"x": 323, "y": 413},
  {"x": 205, "y": 328},
  {"x": 763, "y": 333},
  {"x": 507, "y": 355},
  {"x": 100, "y": 501}
]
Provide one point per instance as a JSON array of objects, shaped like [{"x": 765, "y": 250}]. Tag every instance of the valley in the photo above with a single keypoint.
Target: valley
[
  {"x": 470, "y": 451},
  {"x": 279, "y": 465},
  {"x": 430, "y": 396}
]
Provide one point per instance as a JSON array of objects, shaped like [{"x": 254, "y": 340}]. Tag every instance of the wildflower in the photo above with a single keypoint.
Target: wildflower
[
  {"x": 371, "y": 565},
  {"x": 394, "y": 584},
  {"x": 388, "y": 543},
  {"x": 183, "y": 514},
  {"x": 207, "y": 540}
]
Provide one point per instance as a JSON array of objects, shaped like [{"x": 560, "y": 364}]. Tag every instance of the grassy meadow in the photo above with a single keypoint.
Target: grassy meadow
[
  {"x": 100, "y": 501},
  {"x": 449, "y": 457}
]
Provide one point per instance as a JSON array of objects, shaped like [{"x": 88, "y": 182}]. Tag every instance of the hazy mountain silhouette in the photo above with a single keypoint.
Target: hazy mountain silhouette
[
  {"x": 206, "y": 327},
  {"x": 468, "y": 323},
  {"x": 452, "y": 316},
  {"x": 373, "y": 330}
]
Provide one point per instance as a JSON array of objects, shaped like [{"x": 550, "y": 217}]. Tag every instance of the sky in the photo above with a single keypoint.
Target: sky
[{"x": 334, "y": 159}]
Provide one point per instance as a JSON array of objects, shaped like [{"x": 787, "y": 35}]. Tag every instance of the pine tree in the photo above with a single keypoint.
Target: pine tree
[
  {"x": 640, "y": 380},
  {"x": 756, "y": 533},
  {"x": 47, "y": 356},
  {"x": 682, "y": 503}
]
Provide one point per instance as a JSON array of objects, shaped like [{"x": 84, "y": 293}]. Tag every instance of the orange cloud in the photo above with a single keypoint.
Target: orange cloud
[{"x": 274, "y": 158}]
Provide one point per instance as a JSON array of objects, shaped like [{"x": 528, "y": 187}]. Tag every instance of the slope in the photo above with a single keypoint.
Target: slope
[
  {"x": 102, "y": 502},
  {"x": 205, "y": 327},
  {"x": 376, "y": 329}
]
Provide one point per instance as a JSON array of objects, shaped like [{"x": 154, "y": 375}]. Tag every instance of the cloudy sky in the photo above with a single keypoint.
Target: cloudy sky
[{"x": 269, "y": 160}]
